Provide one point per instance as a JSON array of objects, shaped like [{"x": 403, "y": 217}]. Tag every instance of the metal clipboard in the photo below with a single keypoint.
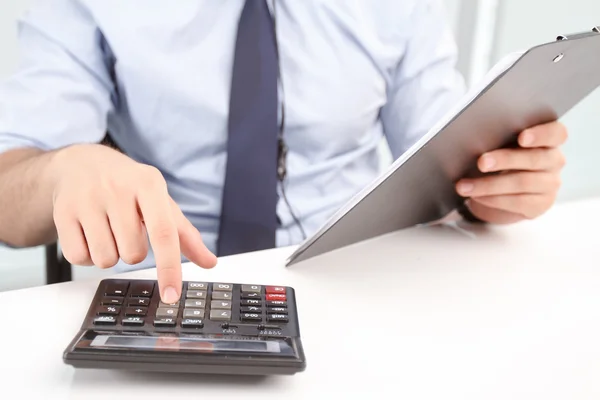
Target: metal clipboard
[{"x": 419, "y": 188}]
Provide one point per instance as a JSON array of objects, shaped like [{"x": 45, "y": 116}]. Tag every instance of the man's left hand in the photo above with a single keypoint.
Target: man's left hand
[{"x": 529, "y": 177}]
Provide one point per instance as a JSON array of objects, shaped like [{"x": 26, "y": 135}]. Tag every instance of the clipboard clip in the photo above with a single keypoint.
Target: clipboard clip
[{"x": 595, "y": 30}]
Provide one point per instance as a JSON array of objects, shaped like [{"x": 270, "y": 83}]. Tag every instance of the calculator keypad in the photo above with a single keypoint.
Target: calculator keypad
[{"x": 138, "y": 305}]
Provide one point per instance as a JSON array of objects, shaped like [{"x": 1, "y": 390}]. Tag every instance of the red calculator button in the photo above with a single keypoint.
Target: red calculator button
[
  {"x": 275, "y": 289},
  {"x": 276, "y": 296}
]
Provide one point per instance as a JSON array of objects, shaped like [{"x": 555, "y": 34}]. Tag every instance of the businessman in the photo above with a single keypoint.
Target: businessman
[{"x": 239, "y": 125}]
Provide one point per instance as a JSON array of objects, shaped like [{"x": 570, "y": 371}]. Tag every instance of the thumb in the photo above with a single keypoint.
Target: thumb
[{"x": 191, "y": 243}]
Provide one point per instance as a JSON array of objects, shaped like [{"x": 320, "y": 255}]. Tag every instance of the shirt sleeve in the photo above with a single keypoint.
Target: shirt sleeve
[
  {"x": 61, "y": 92},
  {"x": 426, "y": 82}
]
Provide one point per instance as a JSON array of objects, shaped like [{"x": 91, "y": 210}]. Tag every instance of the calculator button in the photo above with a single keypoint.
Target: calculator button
[
  {"x": 105, "y": 320},
  {"x": 116, "y": 289},
  {"x": 193, "y": 313},
  {"x": 133, "y": 321},
  {"x": 251, "y": 302},
  {"x": 275, "y": 290},
  {"x": 220, "y": 315},
  {"x": 192, "y": 323},
  {"x": 197, "y": 286},
  {"x": 276, "y": 303},
  {"x": 250, "y": 295},
  {"x": 251, "y": 288},
  {"x": 222, "y": 287},
  {"x": 195, "y": 294},
  {"x": 164, "y": 322},
  {"x": 109, "y": 310},
  {"x": 141, "y": 302},
  {"x": 165, "y": 305},
  {"x": 142, "y": 289},
  {"x": 277, "y": 310},
  {"x": 251, "y": 317},
  {"x": 251, "y": 309},
  {"x": 112, "y": 301},
  {"x": 166, "y": 312},
  {"x": 220, "y": 305},
  {"x": 274, "y": 327},
  {"x": 277, "y": 318},
  {"x": 221, "y": 296},
  {"x": 136, "y": 311},
  {"x": 195, "y": 303},
  {"x": 276, "y": 296}
]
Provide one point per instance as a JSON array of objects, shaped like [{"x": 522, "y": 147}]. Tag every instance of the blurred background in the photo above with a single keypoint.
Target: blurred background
[{"x": 485, "y": 31}]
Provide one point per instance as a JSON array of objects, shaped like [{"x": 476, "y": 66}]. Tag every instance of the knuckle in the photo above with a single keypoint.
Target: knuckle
[
  {"x": 152, "y": 178},
  {"x": 553, "y": 182},
  {"x": 563, "y": 131},
  {"x": 504, "y": 159},
  {"x": 561, "y": 160},
  {"x": 538, "y": 160},
  {"x": 167, "y": 270},
  {"x": 113, "y": 187},
  {"x": 134, "y": 256},
  {"x": 557, "y": 182},
  {"x": 105, "y": 260},
  {"x": 62, "y": 208},
  {"x": 77, "y": 255}
]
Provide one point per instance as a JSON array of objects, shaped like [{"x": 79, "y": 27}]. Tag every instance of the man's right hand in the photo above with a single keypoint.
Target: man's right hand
[{"x": 107, "y": 206}]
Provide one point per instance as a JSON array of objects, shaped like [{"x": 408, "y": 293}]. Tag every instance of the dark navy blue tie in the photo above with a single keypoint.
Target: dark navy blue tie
[{"x": 248, "y": 215}]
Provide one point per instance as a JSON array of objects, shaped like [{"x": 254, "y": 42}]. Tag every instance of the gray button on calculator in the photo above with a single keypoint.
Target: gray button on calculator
[
  {"x": 193, "y": 313},
  {"x": 166, "y": 313},
  {"x": 195, "y": 294},
  {"x": 195, "y": 303},
  {"x": 197, "y": 285},
  {"x": 220, "y": 315},
  {"x": 220, "y": 305},
  {"x": 165, "y": 305},
  {"x": 221, "y": 296},
  {"x": 223, "y": 287},
  {"x": 251, "y": 288}
]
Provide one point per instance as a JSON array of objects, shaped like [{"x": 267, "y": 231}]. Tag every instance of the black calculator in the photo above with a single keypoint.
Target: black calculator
[{"x": 216, "y": 327}]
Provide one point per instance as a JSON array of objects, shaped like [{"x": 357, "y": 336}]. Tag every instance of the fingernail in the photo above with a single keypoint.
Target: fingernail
[
  {"x": 170, "y": 295},
  {"x": 488, "y": 163},
  {"x": 527, "y": 139},
  {"x": 465, "y": 188}
]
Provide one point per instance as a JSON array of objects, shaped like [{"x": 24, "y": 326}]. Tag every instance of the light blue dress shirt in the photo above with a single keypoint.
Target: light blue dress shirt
[{"x": 156, "y": 75}]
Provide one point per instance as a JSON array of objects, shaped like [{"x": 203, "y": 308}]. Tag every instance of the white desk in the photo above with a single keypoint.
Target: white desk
[{"x": 512, "y": 313}]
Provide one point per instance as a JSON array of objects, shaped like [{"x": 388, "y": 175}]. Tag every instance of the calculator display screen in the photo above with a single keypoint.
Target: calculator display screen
[{"x": 185, "y": 343}]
